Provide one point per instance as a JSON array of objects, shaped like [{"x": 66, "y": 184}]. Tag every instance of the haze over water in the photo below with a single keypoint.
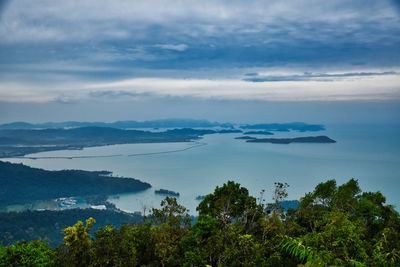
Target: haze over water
[{"x": 366, "y": 152}]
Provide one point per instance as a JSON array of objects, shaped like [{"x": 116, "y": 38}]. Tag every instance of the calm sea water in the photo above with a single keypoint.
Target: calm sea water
[{"x": 369, "y": 153}]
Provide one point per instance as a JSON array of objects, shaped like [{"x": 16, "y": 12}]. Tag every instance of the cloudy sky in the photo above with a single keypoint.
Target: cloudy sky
[{"x": 224, "y": 60}]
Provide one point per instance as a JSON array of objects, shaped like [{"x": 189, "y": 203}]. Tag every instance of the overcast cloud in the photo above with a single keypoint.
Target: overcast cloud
[{"x": 295, "y": 50}]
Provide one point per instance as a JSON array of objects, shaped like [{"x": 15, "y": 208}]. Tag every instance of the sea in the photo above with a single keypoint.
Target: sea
[{"x": 367, "y": 152}]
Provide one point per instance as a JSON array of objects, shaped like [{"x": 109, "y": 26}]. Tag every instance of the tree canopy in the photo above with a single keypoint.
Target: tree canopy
[{"x": 333, "y": 226}]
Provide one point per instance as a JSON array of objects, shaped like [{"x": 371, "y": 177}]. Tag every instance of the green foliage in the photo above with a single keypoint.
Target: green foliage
[
  {"x": 114, "y": 248},
  {"x": 280, "y": 193},
  {"x": 171, "y": 213},
  {"x": 231, "y": 203},
  {"x": 296, "y": 248},
  {"x": 77, "y": 241},
  {"x": 333, "y": 226},
  {"x": 34, "y": 253}
]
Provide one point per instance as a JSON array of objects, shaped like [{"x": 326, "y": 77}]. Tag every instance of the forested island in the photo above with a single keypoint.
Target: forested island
[
  {"x": 285, "y": 127},
  {"x": 331, "y": 226},
  {"x": 20, "y": 184},
  {"x": 166, "y": 192},
  {"x": 245, "y": 137},
  {"x": 258, "y": 132},
  {"x": 308, "y": 139}
]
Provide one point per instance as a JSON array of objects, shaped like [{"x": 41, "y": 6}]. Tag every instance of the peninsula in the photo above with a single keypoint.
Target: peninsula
[
  {"x": 20, "y": 184},
  {"x": 19, "y": 142}
]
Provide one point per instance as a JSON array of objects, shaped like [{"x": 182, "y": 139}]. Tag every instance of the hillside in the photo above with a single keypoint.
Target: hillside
[{"x": 22, "y": 184}]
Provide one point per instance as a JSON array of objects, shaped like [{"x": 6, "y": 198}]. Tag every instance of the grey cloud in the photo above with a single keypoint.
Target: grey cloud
[
  {"x": 307, "y": 76},
  {"x": 115, "y": 94},
  {"x": 110, "y": 20},
  {"x": 178, "y": 47},
  {"x": 65, "y": 100},
  {"x": 99, "y": 40}
]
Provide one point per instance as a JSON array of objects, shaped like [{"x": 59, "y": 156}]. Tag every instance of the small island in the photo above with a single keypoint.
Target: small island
[
  {"x": 245, "y": 137},
  {"x": 308, "y": 139},
  {"x": 166, "y": 192},
  {"x": 258, "y": 132},
  {"x": 223, "y": 131},
  {"x": 286, "y": 127}
]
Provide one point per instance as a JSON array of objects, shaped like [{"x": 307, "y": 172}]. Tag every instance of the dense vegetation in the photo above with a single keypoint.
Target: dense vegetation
[
  {"x": 19, "y": 142},
  {"x": 21, "y": 184},
  {"x": 333, "y": 226}
]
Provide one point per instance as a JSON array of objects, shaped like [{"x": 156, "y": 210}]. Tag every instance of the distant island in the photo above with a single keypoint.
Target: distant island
[
  {"x": 245, "y": 137},
  {"x": 259, "y": 132},
  {"x": 20, "y": 184},
  {"x": 166, "y": 192},
  {"x": 286, "y": 127},
  {"x": 229, "y": 131},
  {"x": 308, "y": 139}
]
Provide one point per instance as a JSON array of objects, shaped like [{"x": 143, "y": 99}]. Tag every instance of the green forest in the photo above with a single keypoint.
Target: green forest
[
  {"x": 334, "y": 225},
  {"x": 21, "y": 184}
]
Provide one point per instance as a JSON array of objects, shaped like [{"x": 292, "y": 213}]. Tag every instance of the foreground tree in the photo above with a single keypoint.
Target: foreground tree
[
  {"x": 76, "y": 250},
  {"x": 333, "y": 226}
]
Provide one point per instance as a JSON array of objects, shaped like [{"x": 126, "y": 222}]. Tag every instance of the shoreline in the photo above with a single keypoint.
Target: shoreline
[{"x": 196, "y": 144}]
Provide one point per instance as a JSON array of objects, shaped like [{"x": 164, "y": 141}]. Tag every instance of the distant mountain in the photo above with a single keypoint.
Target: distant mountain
[
  {"x": 168, "y": 123},
  {"x": 289, "y": 204},
  {"x": 17, "y": 125}
]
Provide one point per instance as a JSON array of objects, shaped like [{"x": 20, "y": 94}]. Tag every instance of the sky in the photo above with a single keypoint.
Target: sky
[{"x": 254, "y": 60}]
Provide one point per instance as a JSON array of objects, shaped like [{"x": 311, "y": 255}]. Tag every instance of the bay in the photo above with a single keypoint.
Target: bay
[{"x": 367, "y": 152}]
